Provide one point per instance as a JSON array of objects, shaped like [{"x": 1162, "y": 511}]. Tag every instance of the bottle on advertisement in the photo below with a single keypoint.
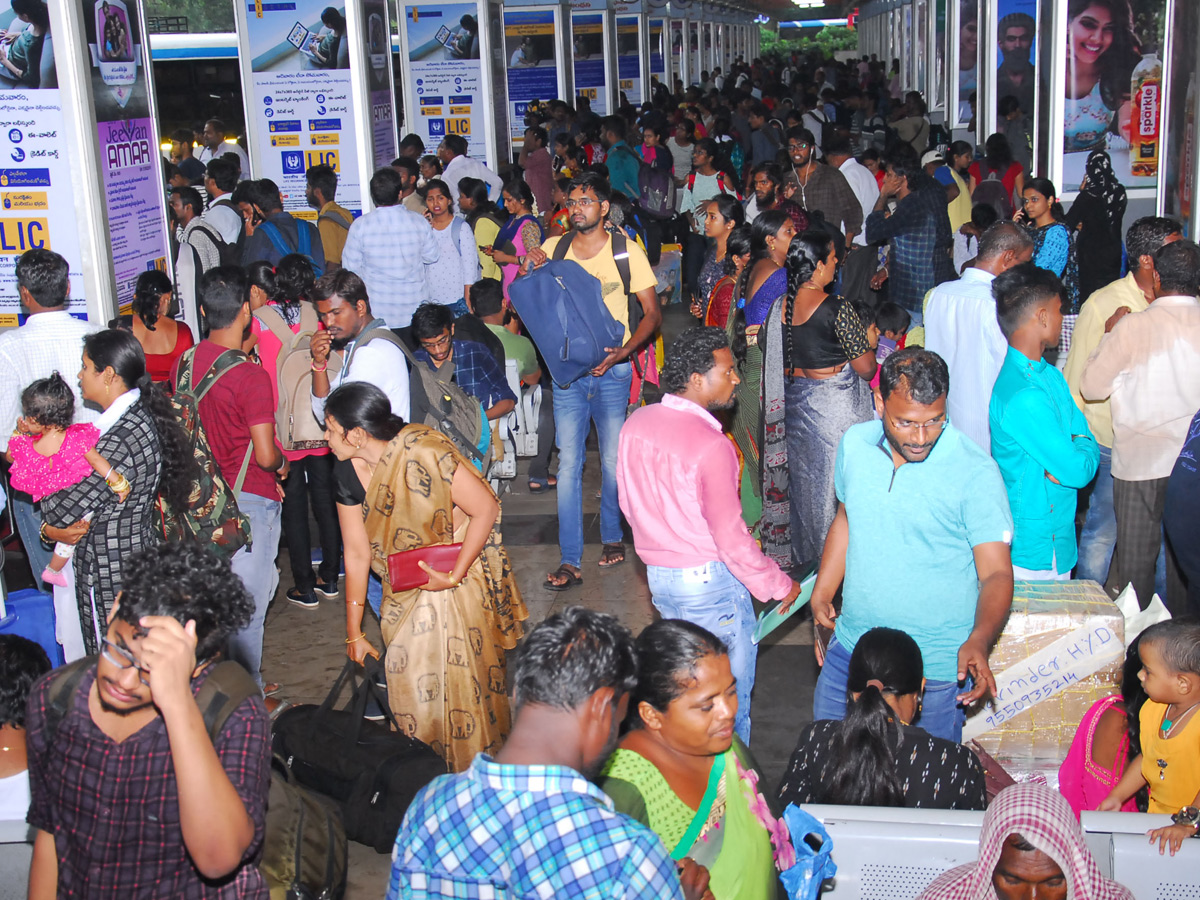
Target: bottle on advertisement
[{"x": 1146, "y": 91}]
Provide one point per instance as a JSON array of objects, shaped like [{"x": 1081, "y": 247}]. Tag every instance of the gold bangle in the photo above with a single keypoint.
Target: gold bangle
[
  {"x": 313, "y": 366},
  {"x": 42, "y": 534},
  {"x": 362, "y": 637},
  {"x": 350, "y": 602},
  {"x": 120, "y": 485}
]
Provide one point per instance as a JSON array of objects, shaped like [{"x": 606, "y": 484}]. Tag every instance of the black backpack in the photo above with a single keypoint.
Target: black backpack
[
  {"x": 304, "y": 844},
  {"x": 444, "y": 407},
  {"x": 370, "y": 770}
]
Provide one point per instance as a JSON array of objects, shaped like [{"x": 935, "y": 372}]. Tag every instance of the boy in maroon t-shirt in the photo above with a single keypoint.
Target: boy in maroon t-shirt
[{"x": 238, "y": 415}]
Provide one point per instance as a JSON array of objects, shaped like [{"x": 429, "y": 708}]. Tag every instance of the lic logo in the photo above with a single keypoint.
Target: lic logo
[
  {"x": 293, "y": 162},
  {"x": 437, "y": 127}
]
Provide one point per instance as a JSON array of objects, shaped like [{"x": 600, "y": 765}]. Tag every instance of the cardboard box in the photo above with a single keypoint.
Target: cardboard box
[{"x": 1035, "y": 718}]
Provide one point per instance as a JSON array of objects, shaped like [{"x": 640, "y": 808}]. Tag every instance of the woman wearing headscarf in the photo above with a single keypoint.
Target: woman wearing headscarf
[
  {"x": 1097, "y": 215},
  {"x": 1028, "y": 831}
]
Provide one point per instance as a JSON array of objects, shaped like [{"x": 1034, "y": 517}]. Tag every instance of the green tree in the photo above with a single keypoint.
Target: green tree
[{"x": 204, "y": 16}]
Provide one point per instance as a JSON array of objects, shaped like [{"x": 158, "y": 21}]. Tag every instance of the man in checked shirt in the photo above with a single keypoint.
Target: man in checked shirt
[{"x": 113, "y": 817}]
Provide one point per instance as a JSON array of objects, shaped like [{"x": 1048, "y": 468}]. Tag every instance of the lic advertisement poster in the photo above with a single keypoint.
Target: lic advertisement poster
[
  {"x": 444, "y": 81},
  {"x": 300, "y": 97},
  {"x": 532, "y": 64},
  {"x": 587, "y": 42},
  {"x": 133, "y": 185},
  {"x": 36, "y": 200},
  {"x": 629, "y": 61}
]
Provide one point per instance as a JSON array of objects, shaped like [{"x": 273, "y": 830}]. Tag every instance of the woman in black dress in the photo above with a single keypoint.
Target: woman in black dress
[
  {"x": 875, "y": 756},
  {"x": 1097, "y": 216}
]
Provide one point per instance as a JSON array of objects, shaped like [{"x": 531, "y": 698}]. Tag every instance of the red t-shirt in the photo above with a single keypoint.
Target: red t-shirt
[{"x": 240, "y": 399}]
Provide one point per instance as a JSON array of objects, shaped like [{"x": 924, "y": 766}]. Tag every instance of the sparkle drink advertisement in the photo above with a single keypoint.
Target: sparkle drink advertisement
[{"x": 1114, "y": 89}]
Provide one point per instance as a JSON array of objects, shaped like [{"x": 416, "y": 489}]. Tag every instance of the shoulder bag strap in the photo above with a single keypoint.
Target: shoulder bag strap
[
  {"x": 275, "y": 236},
  {"x": 272, "y": 319},
  {"x": 700, "y": 819},
  {"x": 563, "y": 245},
  {"x": 61, "y": 693},
  {"x": 226, "y": 688},
  {"x": 222, "y": 364}
]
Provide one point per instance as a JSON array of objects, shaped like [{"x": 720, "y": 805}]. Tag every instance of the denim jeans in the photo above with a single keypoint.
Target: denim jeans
[
  {"x": 709, "y": 596},
  {"x": 29, "y": 524},
  {"x": 255, "y": 565},
  {"x": 940, "y": 714},
  {"x": 1099, "y": 535},
  {"x": 605, "y": 401}
]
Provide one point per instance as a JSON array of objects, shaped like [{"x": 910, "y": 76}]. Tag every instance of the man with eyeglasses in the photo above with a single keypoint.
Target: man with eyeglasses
[
  {"x": 604, "y": 396},
  {"x": 920, "y": 543},
  {"x": 472, "y": 366},
  {"x": 818, "y": 187},
  {"x": 129, "y": 795}
]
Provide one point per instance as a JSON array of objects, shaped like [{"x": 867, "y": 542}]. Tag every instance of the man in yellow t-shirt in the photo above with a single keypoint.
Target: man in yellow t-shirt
[
  {"x": 333, "y": 221},
  {"x": 603, "y": 397},
  {"x": 1132, "y": 294}
]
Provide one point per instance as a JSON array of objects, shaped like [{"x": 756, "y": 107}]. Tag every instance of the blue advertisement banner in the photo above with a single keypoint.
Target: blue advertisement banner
[
  {"x": 444, "y": 66},
  {"x": 532, "y": 64}
]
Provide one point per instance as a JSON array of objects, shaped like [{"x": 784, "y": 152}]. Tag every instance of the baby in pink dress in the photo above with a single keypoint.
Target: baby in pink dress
[{"x": 48, "y": 453}]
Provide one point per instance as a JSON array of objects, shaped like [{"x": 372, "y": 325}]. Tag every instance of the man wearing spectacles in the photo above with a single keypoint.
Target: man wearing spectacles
[
  {"x": 818, "y": 187},
  {"x": 604, "y": 396},
  {"x": 112, "y": 812},
  {"x": 920, "y": 543}
]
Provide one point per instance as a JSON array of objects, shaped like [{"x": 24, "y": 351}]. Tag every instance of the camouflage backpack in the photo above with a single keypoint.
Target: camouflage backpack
[{"x": 212, "y": 516}]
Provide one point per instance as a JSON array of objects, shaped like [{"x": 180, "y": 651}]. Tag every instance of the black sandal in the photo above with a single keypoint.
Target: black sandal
[
  {"x": 562, "y": 572},
  {"x": 613, "y": 555}
]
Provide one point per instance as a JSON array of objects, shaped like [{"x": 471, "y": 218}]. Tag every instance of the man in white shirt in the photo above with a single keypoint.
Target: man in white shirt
[
  {"x": 456, "y": 165},
  {"x": 342, "y": 303},
  {"x": 216, "y": 146},
  {"x": 222, "y": 215},
  {"x": 861, "y": 261},
  {"x": 1146, "y": 365},
  {"x": 961, "y": 327},
  {"x": 51, "y": 340},
  {"x": 388, "y": 248}
]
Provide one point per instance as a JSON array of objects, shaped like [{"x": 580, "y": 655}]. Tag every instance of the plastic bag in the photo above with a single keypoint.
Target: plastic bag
[{"x": 814, "y": 861}]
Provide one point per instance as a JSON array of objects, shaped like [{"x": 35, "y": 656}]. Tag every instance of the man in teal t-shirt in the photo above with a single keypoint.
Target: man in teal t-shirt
[
  {"x": 920, "y": 543},
  {"x": 1040, "y": 438}
]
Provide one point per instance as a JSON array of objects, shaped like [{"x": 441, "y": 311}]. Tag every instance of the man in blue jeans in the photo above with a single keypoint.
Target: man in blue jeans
[
  {"x": 678, "y": 479},
  {"x": 602, "y": 397},
  {"x": 238, "y": 415},
  {"x": 920, "y": 543}
]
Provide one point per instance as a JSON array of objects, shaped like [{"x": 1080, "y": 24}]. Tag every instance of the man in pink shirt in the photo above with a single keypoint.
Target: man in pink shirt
[{"x": 677, "y": 477}]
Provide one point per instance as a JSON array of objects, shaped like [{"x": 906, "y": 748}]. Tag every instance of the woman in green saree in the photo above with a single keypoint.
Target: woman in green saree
[{"x": 681, "y": 771}]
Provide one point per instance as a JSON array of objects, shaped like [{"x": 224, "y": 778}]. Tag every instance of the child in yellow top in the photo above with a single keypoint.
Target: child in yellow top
[{"x": 1170, "y": 728}]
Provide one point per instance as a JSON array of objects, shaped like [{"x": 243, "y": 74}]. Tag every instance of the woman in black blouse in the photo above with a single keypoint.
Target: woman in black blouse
[
  {"x": 828, "y": 363},
  {"x": 875, "y": 756}
]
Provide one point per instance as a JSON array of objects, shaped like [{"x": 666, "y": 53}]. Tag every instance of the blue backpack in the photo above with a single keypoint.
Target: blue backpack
[
  {"x": 303, "y": 243},
  {"x": 563, "y": 308}
]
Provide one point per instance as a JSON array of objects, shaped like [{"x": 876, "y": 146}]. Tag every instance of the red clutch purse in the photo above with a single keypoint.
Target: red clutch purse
[{"x": 403, "y": 572}]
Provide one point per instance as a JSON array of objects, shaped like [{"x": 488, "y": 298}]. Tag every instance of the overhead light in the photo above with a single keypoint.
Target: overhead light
[{"x": 808, "y": 4}]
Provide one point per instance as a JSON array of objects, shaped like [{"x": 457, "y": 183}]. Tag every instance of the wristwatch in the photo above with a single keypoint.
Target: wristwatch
[{"x": 1189, "y": 815}]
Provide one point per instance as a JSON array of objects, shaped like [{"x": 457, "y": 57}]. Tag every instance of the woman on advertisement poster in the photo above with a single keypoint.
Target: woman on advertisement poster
[
  {"x": 968, "y": 56},
  {"x": 1102, "y": 51}
]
